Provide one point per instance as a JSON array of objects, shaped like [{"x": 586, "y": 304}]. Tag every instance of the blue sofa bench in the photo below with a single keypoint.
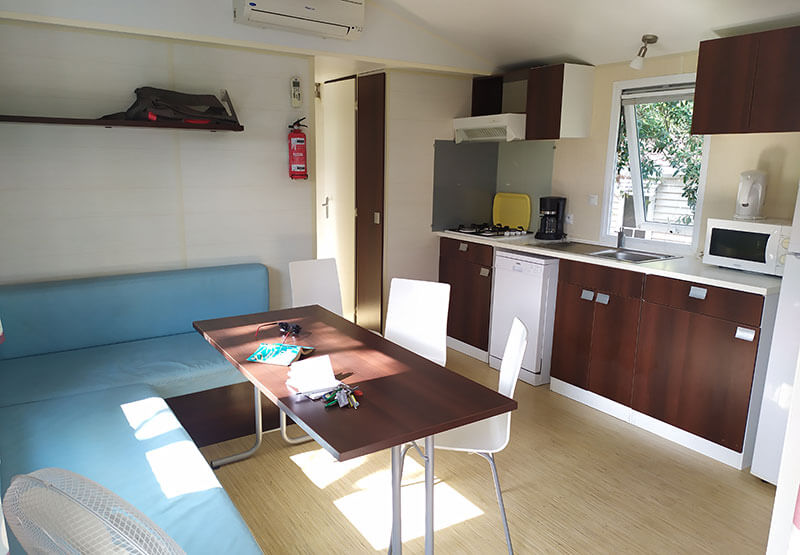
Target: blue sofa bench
[{"x": 84, "y": 371}]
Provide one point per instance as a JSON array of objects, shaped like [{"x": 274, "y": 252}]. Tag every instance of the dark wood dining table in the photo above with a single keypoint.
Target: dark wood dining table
[{"x": 405, "y": 396}]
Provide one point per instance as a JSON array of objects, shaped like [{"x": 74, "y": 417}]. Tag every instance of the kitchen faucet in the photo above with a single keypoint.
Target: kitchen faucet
[{"x": 621, "y": 238}]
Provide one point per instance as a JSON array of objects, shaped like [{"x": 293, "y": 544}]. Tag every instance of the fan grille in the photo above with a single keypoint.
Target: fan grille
[{"x": 53, "y": 510}]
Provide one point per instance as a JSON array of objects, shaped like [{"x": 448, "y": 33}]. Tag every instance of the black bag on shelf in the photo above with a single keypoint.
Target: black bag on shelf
[{"x": 163, "y": 105}]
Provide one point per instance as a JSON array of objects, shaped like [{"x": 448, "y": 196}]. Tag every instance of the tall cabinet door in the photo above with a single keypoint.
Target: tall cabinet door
[
  {"x": 695, "y": 372},
  {"x": 370, "y": 140},
  {"x": 572, "y": 334},
  {"x": 613, "y": 352}
]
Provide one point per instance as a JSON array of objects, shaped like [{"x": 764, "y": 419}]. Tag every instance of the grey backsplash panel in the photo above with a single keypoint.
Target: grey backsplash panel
[
  {"x": 526, "y": 167},
  {"x": 464, "y": 183}
]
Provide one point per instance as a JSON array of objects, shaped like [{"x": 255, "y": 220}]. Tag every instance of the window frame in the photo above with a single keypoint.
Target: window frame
[{"x": 610, "y": 173}]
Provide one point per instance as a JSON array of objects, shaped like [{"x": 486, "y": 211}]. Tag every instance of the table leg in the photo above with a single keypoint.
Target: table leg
[
  {"x": 429, "y": 495},
  {"x": 240, "y": 456},
  {"x": 396, "y": 546},
  {"x": 285, "y": 436}
]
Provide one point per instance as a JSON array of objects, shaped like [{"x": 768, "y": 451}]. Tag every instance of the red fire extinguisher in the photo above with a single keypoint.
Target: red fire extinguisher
[{"x": 297, "y": 151}]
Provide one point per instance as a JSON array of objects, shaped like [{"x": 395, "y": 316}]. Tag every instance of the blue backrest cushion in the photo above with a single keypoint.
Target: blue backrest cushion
[{"x": 57, "y": 316}]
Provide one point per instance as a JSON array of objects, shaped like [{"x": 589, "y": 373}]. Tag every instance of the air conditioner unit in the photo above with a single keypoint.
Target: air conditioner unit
[{"x": 341, "y": 19}]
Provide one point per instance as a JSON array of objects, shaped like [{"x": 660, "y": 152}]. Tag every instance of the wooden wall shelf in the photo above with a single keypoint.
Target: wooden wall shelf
[{"x": 121, "y": 123}]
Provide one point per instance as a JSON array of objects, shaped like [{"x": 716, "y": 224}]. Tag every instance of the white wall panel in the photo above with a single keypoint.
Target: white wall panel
[
  {"x": 420, "y": 108},
  {"x": 78, "y": 201}
]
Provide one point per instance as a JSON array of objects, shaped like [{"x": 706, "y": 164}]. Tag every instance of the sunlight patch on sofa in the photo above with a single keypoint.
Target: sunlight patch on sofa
[
  {"x": 180, "y": 470},
  {"x": 150, "y": 417}
]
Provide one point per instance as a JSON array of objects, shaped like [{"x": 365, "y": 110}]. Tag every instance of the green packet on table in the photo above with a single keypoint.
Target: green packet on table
[{"x": 279, "y": 353}]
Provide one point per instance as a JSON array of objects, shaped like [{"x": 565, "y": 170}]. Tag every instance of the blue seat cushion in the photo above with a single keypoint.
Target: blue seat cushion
[
  {"x": 127, "y": 440},
  {"x": 172, "y": 365},
  {"x": 54, "y": 316}
]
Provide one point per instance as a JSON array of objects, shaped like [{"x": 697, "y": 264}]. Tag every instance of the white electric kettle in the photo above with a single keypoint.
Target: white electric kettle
[{"x": 750, "y": 200}]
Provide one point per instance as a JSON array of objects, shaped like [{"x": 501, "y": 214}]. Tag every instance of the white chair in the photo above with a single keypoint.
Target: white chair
[
  {"x": 316, "y": 282},
  {"x": 491, "y": 435},
  {"x": 416, "y": 317},
  {"x": 313, "y": 282}
]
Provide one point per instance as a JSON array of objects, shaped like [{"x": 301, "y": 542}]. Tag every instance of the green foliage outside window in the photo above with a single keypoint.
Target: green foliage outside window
[{"x": 664, "y": 130}]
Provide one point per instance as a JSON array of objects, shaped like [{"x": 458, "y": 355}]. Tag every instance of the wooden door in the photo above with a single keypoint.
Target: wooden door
[
  {"x": 776, "y": 90},
  {"x": 370, "y": 140},
  {"x": 572, "y": 335},
  {"x": 724, "y": 85},
  {"x": 613, "y": 348},
  {"x": 692, "y": 372}
]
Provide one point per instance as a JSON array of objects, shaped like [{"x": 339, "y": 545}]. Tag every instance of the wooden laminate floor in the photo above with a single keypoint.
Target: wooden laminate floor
[{"x": 574, "y": 480}]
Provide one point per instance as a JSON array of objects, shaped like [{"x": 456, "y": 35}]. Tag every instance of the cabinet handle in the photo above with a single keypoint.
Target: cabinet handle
[
  {"x": 745, "y": 334},
  {"x": 587, "y": 295},
  {"x": 484, "y": 272},
  {"x": 698, "y": 292},
  {"x": 602, "y": 298}
]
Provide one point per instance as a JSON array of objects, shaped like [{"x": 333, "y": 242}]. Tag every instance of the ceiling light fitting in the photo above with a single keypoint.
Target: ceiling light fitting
[{"x": 638, "y": 62}]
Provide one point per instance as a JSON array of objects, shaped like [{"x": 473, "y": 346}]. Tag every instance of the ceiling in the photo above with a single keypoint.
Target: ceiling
[{"x": 512, "y": 33}]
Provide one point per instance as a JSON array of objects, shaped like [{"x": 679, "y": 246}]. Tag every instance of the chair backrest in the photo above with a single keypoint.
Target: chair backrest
[
  {"x": 316, "y": 282},
  {"x": 512, "y": 358},
  {"x": 416, "y": 317}
]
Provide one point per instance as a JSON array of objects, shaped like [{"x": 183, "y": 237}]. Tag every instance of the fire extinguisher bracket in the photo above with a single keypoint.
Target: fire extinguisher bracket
[{"x": 298, "y": 168}]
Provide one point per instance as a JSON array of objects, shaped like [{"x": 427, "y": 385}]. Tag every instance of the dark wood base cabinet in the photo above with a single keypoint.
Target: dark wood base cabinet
[
  {"x": 692, "y": 372},
  {"x": 467, "y": 267},
  {"x": 596, "y": 324}
]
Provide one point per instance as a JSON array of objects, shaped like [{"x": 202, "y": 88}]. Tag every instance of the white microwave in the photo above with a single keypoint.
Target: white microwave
[{"x": 756, "y": 246}]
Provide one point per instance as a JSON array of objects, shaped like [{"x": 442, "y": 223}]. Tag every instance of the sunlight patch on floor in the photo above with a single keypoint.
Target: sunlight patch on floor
[
  {"x": 370, "y": 510},
  {"x": 322, "y": 469}
]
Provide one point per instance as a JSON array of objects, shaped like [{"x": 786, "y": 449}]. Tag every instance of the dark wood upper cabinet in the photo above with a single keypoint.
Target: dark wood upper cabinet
[
  {"x": 559, "y": 101},
  {"x": 776, "y": 90},
  {"x": 748, "y": 84},
  {"x": 545, "y": 87},
  {"x": 487, "y": 95}
]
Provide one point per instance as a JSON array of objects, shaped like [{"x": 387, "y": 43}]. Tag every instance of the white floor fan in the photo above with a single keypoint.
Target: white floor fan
[{"x": 57, "y": 511}]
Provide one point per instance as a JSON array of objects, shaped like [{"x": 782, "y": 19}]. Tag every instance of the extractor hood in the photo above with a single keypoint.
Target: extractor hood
[{"x": 494, "y": 128}]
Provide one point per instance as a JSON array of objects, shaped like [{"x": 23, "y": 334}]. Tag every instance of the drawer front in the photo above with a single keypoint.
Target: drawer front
[
  {"x": 727, "y": 304},
  {"x": 601, "y": 278},
  {"x": 466, "y": 251}
]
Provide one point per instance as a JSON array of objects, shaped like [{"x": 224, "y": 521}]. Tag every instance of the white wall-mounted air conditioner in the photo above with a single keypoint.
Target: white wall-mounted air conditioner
[{"x": 341, "y": 19}]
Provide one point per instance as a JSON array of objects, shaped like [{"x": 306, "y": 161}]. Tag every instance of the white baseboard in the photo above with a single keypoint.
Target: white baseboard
[
  {"x": 467, "y": 349},
  {"x": 645, "y": 422}
]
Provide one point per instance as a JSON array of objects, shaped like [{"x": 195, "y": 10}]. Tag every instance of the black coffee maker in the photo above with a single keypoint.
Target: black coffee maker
[{"x": 551, "y": 210}]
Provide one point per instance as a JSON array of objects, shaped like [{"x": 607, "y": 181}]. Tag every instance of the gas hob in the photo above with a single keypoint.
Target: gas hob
[{"x": 489, "y": 230}]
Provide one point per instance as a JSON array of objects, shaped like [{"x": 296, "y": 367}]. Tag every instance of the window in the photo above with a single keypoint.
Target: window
[{"x": 655, "y": 169}]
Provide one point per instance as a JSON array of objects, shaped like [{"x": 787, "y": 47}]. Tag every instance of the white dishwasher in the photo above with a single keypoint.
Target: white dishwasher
[{"x": 524, "y": 286}]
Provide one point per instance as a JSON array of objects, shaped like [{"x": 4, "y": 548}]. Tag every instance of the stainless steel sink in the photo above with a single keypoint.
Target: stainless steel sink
[{"x": 630, "y": 256}]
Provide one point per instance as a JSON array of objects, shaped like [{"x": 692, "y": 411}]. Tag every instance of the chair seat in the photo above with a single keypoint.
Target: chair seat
[{"x": 489, "y": 436}]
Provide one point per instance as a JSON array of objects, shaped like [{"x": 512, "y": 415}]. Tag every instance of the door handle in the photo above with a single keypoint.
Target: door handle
[
  {"x": 376, "y": 218},
  {"x": 587, "y": 295},
  {"x": 463, "y": 247},
  {"x": 484, "y": 272},
  {"x": 698, "y": 292},
  {"x": 745, "y": 334},
  {"x": 602, "y": 298}
]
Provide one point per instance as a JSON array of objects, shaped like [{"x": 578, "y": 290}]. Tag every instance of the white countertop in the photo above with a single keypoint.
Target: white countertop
[{"x": 684, "y": 268}]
